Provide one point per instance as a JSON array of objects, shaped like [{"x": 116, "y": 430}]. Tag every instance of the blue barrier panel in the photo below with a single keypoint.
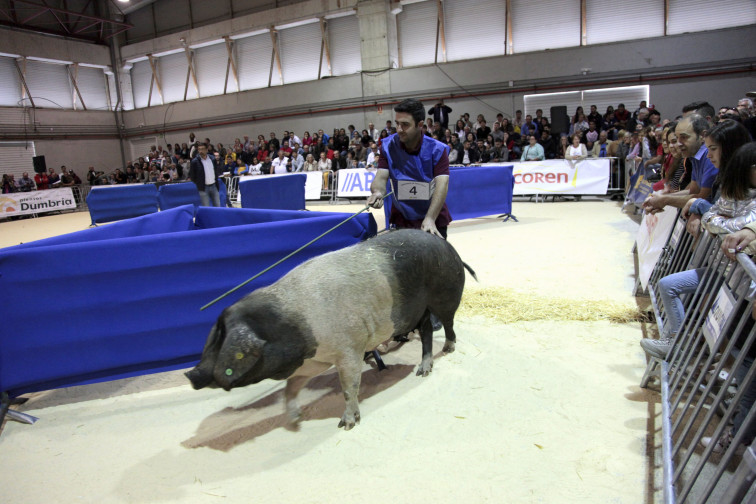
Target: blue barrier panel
[
  {"x": 175, "y": 195},
  {"x": 285, "y": 192},
  {"x": 128, "y": 303},
  {"x": 475, "y": 192},
  {"x": 112, "y": 203}
]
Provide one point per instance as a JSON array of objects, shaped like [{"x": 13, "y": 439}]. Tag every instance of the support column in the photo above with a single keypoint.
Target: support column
[{"x": 372, "y": 16}]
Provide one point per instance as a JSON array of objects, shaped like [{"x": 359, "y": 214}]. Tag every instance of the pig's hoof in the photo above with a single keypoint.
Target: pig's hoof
[
  {"x": 448, "y": 347},
  {"x": 349, "y": 421},
  {"x": 425, "y": 368},
  {"x": 295, "y": 415}
]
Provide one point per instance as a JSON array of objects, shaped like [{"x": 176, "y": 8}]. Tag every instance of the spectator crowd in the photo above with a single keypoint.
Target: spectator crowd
[{"x": 639, "y": 136}]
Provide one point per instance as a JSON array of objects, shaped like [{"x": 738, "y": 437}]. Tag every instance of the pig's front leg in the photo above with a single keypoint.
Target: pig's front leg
[
  {"x": 350, "y": 376},
  {"x": 296, "y": 382}
]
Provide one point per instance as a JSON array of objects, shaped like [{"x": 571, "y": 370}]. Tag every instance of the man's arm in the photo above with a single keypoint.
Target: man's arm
[
  {"x": 378, "y": 188},
  {"x": 437, "y": 203},
  {"x": 656, "y": 202}
]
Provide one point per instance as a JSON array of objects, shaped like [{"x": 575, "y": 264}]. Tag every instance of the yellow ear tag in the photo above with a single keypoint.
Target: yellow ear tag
[
  {"x": 239, "y": 356},
  {"x": 229, "y": 372}
]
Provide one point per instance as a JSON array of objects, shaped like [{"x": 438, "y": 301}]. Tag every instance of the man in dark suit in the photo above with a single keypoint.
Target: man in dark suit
[
  {"x": 440, "y": 113},
  {"x": 204, "y": 172}
]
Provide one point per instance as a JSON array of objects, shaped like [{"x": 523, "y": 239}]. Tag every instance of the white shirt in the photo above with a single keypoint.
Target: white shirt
[
  {"x": 576, "y": 151},
  {"x": 279, "y": 165},
  {"x": 375, "y": 134},
  {"x": 207, "y": 164},
  {"x": 371, "y": 158}
]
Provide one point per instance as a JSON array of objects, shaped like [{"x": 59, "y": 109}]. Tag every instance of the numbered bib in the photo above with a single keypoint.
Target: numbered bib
[{"x": 412, "y": 190}]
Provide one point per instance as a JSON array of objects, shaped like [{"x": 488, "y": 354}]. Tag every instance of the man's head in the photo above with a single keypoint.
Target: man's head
[
  {"x": 594, "y": 110},
  {"x": 371, "y": 126},
  {"x": 539, "y": 113},
  {"x": 532, "y": 139},
  {"x": 25, "y": 175},
  {"x": 528, "y": 118},
  {"x": 410, "y": 115},
  {"x": 690, "y": 134},
  {"x": 602, "y": 137},
  {"x": 621, "y": 107},
  {"x": 202, "y": 149},
  {"x": 592, "y": 126},
  {"x": 642, "y": 113},
  {"x": 702, "y": 108},
  {"x": 272, "y": 135}
]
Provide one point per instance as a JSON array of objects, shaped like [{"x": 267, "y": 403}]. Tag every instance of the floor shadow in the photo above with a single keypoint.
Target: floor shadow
[{"x": 226, "y": 429}]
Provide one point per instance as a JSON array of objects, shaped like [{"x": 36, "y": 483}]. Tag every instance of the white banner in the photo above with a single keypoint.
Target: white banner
[
  {"x": 561, "y": 176},
  {"x": 24, "y": 203},
  {"x": 355, "y": 182},
  {"x": 652, "y": 236},
  {"x": 313, "y": 184}
]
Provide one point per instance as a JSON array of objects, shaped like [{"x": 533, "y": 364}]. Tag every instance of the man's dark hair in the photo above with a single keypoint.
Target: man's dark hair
[
  {"x": 699, "y": 123},
  {"x": 702, "y": 108},
  {"x": 412, "y": 107}
]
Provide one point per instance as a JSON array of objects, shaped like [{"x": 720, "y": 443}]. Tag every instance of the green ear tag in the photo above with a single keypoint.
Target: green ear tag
[
  {"x": 239, "y": 356},
  {"x": 229, "y": 372}
]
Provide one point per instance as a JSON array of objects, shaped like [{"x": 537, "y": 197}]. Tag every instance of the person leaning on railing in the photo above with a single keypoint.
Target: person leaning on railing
[{"x": 735, "y": 209}]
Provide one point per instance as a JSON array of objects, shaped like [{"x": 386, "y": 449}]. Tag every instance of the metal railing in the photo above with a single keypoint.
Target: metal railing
[{"x": 700, "y": 395}]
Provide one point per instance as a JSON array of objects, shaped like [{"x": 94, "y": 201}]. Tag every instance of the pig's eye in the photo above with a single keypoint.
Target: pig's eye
[
  {"x": 239, "y": 356},
  {"x": 229, "y": 372}
]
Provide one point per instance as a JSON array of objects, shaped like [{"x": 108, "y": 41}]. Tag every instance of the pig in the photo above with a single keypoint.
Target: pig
[{"x": 330, "y": 310}]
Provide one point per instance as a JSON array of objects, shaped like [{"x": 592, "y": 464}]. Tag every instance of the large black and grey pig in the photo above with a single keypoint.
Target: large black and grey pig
[{"x": 330, "y": 310}]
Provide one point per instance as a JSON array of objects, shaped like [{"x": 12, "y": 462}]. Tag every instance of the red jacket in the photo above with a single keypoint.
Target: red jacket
[{"x": 41, "y": 180}]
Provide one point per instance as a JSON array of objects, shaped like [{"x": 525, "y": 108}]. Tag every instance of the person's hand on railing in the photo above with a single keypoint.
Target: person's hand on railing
[{"x": 737, "y": 242}]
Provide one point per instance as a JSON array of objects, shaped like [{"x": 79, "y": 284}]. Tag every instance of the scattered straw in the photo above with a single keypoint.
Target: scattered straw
[{"x": 507, "y": 306}]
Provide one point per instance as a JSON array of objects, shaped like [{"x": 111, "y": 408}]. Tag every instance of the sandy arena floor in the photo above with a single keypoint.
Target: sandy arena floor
[{"x": 529, "y": 412}]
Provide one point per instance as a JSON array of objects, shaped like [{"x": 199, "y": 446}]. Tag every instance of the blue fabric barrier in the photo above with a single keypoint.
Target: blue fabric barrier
[
  {"x": 475, "y": 192},
  {"x": 284, "y": 192},
  {"x": 117, "y": 302},
  {"x": 112, "y": 203},
  {"x": 175, "y": 195}
]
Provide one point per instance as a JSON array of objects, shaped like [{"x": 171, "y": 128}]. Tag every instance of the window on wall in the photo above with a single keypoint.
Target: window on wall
[
  {"x": 253, "y": 57},
  {"x": 49, "y": 84},
  {"x": 416, "y": 26},
  {"x": 17, "y": 158},
  {"x": 210, "y": 63},
  {"x": 10, "y": 84},
  {"x": 173, "y": 73},
  {"x": 631, "y": 96},
  {"x": 344, "y": 45},
  {"x": 486, "y": 19},
  {"x": 300, "y": 53},
  {"x": 699, "y": 15},
  {"x": 92, "y": 86},
  {"x": 640, "y": 19},
  {"x": 545, "y": 25}
]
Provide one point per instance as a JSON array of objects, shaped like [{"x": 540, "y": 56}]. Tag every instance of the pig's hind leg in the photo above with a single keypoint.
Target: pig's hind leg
[
  {"x": 426, "y": 338},
  {"x": 350, "y": 375}
]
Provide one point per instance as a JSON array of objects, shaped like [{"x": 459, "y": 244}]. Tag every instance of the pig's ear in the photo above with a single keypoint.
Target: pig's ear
[
  {"x": 215, "y": 338},
  {"x": 249, "y": 342}
]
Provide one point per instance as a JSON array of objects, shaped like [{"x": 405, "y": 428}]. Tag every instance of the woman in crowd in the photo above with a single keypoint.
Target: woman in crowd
[
  {"x": 471, "y": 138},
  {"x": 306, "y": 139},
  {"x": 310, "y": 164},
  {"x": 382, "y": 136},
  {"x": 460, "y": 128},
  {"x": 8, "y": 185},
  {"x": 577, "y": 151},
  {"x": 564, "y": 145},
  {"x": 676, "y": 172},
  {"x": 324, "y": 163},
  {"x": 506, "y": 126},
  {"x": 579, "y": 124}
]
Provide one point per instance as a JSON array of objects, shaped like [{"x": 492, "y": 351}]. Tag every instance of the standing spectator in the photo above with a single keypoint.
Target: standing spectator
[
  {"x": 25, "y": 184},
  {"x": 204, "y": 172},
  {"x": 42, "y": 181},
  {"x": 440, "y": 113}
]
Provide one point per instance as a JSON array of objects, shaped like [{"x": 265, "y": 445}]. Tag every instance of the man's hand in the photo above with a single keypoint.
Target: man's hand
[
  {"x": 737, "y": 242},
  {"x": 654, "y": 203},
  {"x": 429, "y": 226},
  {"x": 375, "y": 200},
  {"x": 686, "y": 209},
  {"x": 693, "y": 225}
]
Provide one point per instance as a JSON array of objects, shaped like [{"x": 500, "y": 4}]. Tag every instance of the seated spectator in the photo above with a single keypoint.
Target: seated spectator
[
  {"x": 592, "y": 134},
  {"x": 231, "y": 167},
  {"x": 297, "y": 161},
  {"x": 564, "y": 144},
  {"x": 595, "y": 117},
  {"x": 469, "y": 155},
  {"x": 324, "y": 163},
  {"x": 482, "y": 131},
  {"x": 609, "y": 123},
  {"x": 580, "y": 124},
  {"x": 278, "y": 165},
  {"x": 497, "y": 133},
  {"x": 577, "y": 151},
  {"x": 255, "y": 168},
  {"x": 622, "y": 116},
  {"x": 533, "y": 151},
  {"x": 338, "y": 162},
  {"x": 310, "y": 164},
  {"x": 601, "y": 147},
  {"x": 42, "y": 181},
  {"x": 499, "y": 152},
  {"x": 25, "y": 184},
  {"x": 548, "y": 143},
  {"x": 529, "y": 127}
]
